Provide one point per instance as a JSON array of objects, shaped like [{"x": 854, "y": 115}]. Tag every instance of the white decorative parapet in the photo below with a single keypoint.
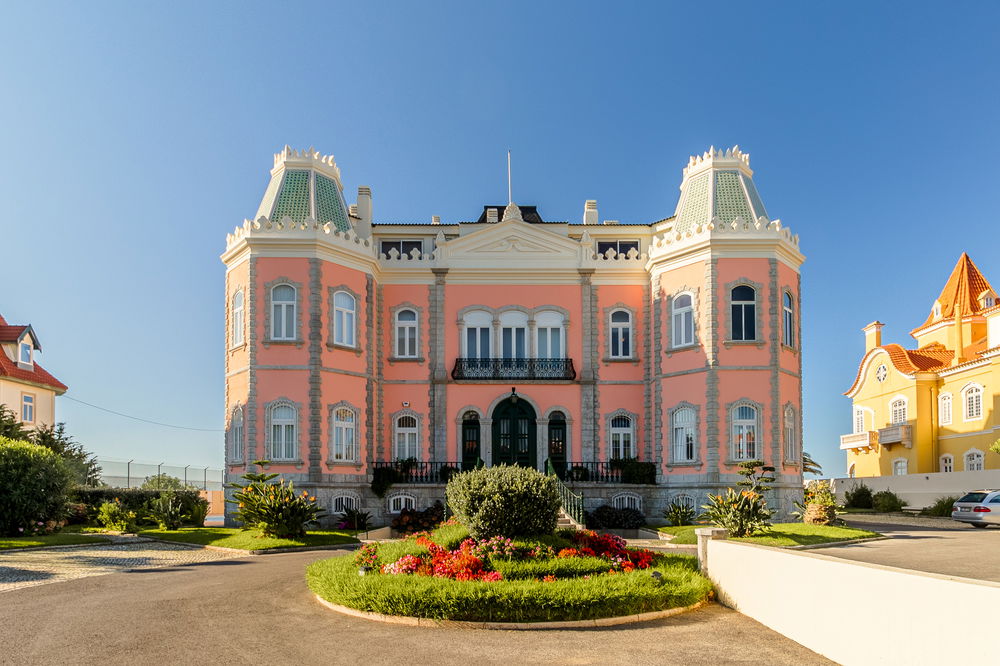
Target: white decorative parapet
[
  {"x": 897, "y": 434},
  {"x": 286, "y": 227},
  {"x": 670, "y": 240},
  {"x": 859, "y": 440},
  {"x": 769, "y": 584}
]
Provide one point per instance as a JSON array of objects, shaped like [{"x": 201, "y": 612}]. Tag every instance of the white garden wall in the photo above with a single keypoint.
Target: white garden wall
[
  {"x": 857, "y": 613},
  {"x": 920, "y": 490}
]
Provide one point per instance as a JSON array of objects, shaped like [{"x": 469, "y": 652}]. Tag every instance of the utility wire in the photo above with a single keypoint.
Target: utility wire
[{"x": 136, "y": 418}]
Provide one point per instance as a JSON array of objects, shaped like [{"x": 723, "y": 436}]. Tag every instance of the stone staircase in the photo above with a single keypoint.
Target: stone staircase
[{"x": 566, "y": 522}]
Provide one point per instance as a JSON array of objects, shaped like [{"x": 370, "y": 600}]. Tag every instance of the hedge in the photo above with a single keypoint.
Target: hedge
[{"x": 132, "y": 499}]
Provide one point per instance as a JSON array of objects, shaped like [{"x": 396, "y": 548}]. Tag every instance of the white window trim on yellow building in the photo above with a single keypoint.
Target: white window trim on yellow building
[
  {"x": 945, "y": 409},
  {"x": 947, "y": 463},
  {"x": 898, "y": 417},
  {"x": 978, "y": 459},
  {"x": 972, "y": 402},
  {"x": 900, "y": 462}
]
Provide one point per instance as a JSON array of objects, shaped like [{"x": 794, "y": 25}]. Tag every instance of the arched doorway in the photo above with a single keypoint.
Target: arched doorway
[
  {"x": 470, "y": 440},
  {"x": 514, "y": 433}
]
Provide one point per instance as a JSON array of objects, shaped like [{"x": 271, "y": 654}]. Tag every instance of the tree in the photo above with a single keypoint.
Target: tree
[
  {"x": 11, "y": 426},
  {"x": 82, "y": 465},
  {"x": 995, "y": 447},
  {"x": 164, "y": 482},
  {"x": 810, "y": 466}
]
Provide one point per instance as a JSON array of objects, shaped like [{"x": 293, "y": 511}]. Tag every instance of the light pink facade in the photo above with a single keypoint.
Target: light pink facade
[{"x": 352, "y": 344}]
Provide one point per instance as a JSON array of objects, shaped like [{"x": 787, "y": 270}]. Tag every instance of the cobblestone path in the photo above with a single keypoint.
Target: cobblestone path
[{"x": 53, "y": 565}]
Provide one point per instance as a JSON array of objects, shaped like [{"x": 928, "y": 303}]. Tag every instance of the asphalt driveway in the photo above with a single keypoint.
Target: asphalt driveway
[
  {"x": 258, "y": 610},
  {"x": 948, "y": 548}
]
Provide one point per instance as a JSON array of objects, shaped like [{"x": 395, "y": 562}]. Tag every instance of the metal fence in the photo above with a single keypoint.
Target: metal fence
[{"x": 133, "y": 473}]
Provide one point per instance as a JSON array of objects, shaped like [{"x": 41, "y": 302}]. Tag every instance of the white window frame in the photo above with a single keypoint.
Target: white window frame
[
  {"x": 745, "y": 433},
  {"x": 684, "y": 435},
  {"x": 791, "y": 428},
  {"x": 236, "y": 434},
  {"x": 28, "y": 407},
  {"x": 343, "y": 434},
  {"x": 513, "y": 330},
  {"x": 621, "y": 331},
  {"x": 405, "y": 439},
  {"x": 407, "y": 343},
  {"x": 972, "y": 402},
  {"x": 550, "y": 331},
  {"x": 945, "y": 409},
  {"x": 340, "y": 503},
  {"x": 859, "y": 420},
  {"x": 621, "y": 438},
  {"x": 947, "y": 463},
  {"x": 396, "y": 503},
  {"x": 478, "y": 321},
  {"x": 977, "y": 459},
  {"x": 345, "y": 320},
  {"x": 237, "y": 320},
  {"x": 21, "y": 349},
  {"x": 851, "y": 471},
  {"x": 289, "y": 433},
  {"x": 788, "y": 319},
  {"x": 282, "y": 312},
  {"x": 900, "y": 463},
  {"x": 745, "y": 307},
  {"x": 898, "y": 411},
  {"x": 682, "y": 321},
  {"x": 627, "y": 501}
]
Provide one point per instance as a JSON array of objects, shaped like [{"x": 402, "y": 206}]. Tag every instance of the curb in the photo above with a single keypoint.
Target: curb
[
  {"x": 259, "y": 551},
  {"x": 834, "y": 544},
  {"x": 517, "y": 626}
]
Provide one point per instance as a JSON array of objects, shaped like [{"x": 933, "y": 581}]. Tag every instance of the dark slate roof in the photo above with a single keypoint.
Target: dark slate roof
[{"x": 528, "y": 214}]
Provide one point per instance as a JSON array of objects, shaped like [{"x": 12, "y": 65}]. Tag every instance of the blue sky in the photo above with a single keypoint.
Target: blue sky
[{"x": 136, "y": 135}]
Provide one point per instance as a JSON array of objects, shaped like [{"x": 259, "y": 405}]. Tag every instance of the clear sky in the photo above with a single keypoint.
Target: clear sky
[{"x": 136, "y": 135}]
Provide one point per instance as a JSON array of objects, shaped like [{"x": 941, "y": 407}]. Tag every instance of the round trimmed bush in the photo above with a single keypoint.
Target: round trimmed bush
[
  {"x": 504, "y": 501},
  {"x": 36, "y": 483}
]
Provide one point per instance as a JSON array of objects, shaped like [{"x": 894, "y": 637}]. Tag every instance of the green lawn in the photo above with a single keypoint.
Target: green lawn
[
  {"x": 781, "y": 534},
  {"x": 57, "y": 539},
  {"x": 231, "y": 537}
]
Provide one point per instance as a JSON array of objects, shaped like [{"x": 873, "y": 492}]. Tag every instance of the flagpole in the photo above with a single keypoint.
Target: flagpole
[{"x": 510, "y": 198}]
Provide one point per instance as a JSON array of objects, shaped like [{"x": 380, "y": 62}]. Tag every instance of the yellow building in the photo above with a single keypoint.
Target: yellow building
[{"x": 933, "y": 408}]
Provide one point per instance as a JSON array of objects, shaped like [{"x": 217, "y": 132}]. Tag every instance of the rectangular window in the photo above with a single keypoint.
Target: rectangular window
[
  {"x": 26, "y": 353},
  {"x": 744, "y": 321},
  {"x": 401, "y": 247},
  {"x": 512, "y": 339},
  {"x": 549, "y": 343},
  {"x": 859, "y": 420},
  {"x": 28, "y": 408},
  {"x": 477, "y": 342},
  {"x": 619, "y": 246}
]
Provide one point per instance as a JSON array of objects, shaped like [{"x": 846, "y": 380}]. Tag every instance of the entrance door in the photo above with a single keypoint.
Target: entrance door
[
  {"x": 557, "y": 441},
  {"x": 470, "y": 440},
  {"x": 514, "y": 434}
]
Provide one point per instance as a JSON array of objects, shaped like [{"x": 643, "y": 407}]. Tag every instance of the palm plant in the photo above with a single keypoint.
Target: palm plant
[{"x": 810, "y": 466}]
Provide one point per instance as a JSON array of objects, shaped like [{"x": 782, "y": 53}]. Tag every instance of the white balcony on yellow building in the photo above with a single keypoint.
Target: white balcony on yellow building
[
  {"x": 895, "y": 434},
  {"x": 859, "y": 440}
]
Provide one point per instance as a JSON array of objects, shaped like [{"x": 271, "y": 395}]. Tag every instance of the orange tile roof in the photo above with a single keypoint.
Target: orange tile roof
[
  {"x": 963, "y": 289},
  {"x": 932, "y": 358},
  {"x": 8, "y": 368}
]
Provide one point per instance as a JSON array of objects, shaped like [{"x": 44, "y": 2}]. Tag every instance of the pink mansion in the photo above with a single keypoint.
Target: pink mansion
[{"x": 639, "y": 361}]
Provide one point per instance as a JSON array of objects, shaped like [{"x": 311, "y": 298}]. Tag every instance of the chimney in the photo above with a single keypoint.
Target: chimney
[
  {"x": 365, "y": 204},
  {"x": 492, "y": 216},
  {"x": 352, "y": 210},
  {"x": 590, "y": 212},
  {"x": 873, "y": 335},
  {"x": 435, "y": 219}
]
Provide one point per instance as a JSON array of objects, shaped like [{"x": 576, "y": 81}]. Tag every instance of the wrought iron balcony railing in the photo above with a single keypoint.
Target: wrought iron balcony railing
[
  {"x": 412, "y": 471},
  {"x": 614, "y": 471},
  {"x": 513, "y": 368}
]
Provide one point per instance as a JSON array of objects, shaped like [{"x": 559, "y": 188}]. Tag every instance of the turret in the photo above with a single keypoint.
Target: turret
[
  {"x": 305, "y": 185},
  {"x": 718, "y": 185}
]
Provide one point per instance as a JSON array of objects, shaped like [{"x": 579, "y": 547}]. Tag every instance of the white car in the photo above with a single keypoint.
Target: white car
[{"x": 979, "y": 508}]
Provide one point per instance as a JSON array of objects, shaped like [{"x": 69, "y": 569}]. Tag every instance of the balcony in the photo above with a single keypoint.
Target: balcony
[
  {"x": 412, "y": 471},
  {"x": 859, "y": 440},
  {"x": 514, "y": 368},
  {"x": 615, "y": 471},
  {"x": 895, "y": 434}
]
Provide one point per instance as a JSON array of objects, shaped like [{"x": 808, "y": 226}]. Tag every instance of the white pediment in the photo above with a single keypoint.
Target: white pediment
[{"x": 511, "y": 242}]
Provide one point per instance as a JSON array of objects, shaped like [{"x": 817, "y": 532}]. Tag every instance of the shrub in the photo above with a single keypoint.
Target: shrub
[
  {"x": 34, "y": 482},
  {"x": 198, "y": 512},
  {"x": 858, "y": 497},
  {"x": 76, "y": 513},
  {"x": 504, "y": 501},
  {"x": 886, "y": 501},
  {"x": 355, "y": 519},
  {"x": 634, "y": 471},
  {"x": 133, "y": 499},
  {"x": 820, "y": 492},
  {"x": 743, "y": 513},
  {"x": 412, "y": 520},
  {"x": 942, "y": 507},
  {"x": 273, "y": 508},
  {"x": 165, "y": 511},
  {"x": 678, "y": 514},
  {"x": 607, "y": 517},
  {"x": 114, "y": 516}
]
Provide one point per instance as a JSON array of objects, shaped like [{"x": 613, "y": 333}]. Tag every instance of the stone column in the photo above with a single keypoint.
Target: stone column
[{"x": 706, "y": 534}]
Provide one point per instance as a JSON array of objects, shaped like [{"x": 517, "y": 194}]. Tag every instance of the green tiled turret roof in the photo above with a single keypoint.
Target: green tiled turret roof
[{"x": 718, "y": 184}]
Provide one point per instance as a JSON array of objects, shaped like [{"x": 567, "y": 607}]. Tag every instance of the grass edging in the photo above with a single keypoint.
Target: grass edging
[
  {"x": 95, "y": 541},
  {"x": 832, "y": 544},
  {"x": 259, "y": 551},
  {"x": 517, "y": 626}
]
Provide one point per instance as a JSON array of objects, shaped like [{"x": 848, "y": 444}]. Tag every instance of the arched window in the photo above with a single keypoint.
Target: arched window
[
  {"x": 284, "y": 432},
  {"x": 470, "y": 440},
  {"x": 974, "y": 461},
  {"x": 899, "y": 467},
  {"x": 791, "y": 438},
  {"x": 744, "y": 313},
  {"x": 627, "y": 501},
  {"x": 897, "y": 411},
  {"x": 683, "y": 433},
  {"x": 947, "y": 463},
  {"x": 236, "y": 320},
  {"x": 744, "y": 442},
  {"x": 342, "y": 503},
  {"x": 283, "y": 312},
  {"x": 684, "y": 500},
  {"x": 406, "y": 437},
  {"x": 397, "y": 503},
  {"x": 478, "y": 334},
  {"x": 622, "y": 437},
  {"x": 973, "y": 400},
  {"x": 344, "y": 431},
  {"x": 550, "y": 335},
  {"x": 621, "y": 334},
  {"x": 236, "y": 435},
  {"x": 788, "y": 330},
  {"x": 406, "y": 334},
  {"x": 859, "y": 419},
  {"x": 944, "y": 409},
  {"x": 513, "y": 335},
  {"x": 851, "y": 471},
  {"x": 557, "y": 439},
  {"x": 682, "y": 320},
  {"x": 344, "y": 316}
]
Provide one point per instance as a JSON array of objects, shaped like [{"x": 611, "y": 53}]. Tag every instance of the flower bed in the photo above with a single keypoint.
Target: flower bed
[{"x": 447, "y": 575}]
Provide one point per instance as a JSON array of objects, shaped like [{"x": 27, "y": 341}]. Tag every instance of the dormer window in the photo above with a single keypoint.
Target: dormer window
[
  {"x": 401, "y": 247},
  {"x": 619, "y": 246},
  {"x": 937, "y": 310},
  {"x": 25, "y": 353}
]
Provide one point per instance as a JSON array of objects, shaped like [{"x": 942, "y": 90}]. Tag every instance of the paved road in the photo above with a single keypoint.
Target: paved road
[
  {"x": 258, "y": 610},
  {"x": 948, "y": 548}
]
